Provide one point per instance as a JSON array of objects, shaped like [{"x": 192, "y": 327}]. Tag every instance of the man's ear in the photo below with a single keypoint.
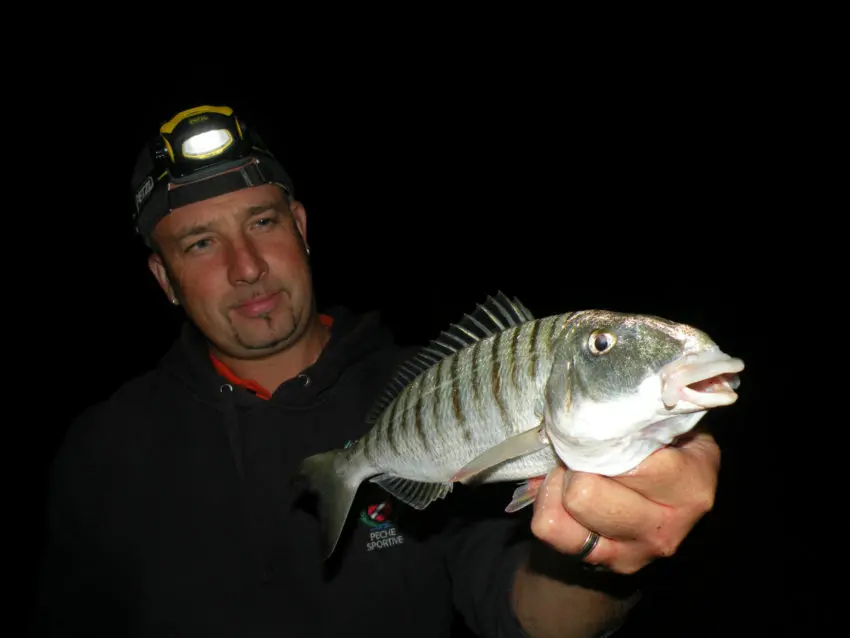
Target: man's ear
[
  {"x": 161, "y": 274},
  {"x": 299, "y": 214}
]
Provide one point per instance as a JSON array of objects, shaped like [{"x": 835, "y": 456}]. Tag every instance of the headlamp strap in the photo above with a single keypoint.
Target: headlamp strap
[{"x": 249, "y": 175}]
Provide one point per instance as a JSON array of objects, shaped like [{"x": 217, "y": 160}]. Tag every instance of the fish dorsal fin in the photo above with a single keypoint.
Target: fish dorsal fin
[{"x": 497, "y": 313}]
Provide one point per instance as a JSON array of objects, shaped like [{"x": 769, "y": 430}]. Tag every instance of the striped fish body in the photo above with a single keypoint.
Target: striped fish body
[
  {"x": 480, "y": 384},
  {"x": 466, "y": 403}
]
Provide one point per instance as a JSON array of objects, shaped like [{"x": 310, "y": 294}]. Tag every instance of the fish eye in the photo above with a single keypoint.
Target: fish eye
[{"x": 601, "y": 342}]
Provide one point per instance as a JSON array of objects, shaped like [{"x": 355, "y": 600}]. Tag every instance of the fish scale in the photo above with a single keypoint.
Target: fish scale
[{"x": 503, "y": 396}]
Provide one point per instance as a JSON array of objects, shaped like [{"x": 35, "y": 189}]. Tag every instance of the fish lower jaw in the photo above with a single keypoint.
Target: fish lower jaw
[
  {"x": 615, "y": 456},
  {"x": 714, "y": 394}
]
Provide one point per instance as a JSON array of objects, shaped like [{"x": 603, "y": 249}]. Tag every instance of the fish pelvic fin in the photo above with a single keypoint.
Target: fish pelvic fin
[
  {"x": 334, "y": 477},
  {"x": 525, "y": 494},
  {"x": 494, "y": 315},
  {"x": 518, "y": 445},
  {"x": 417, "y": 494}
]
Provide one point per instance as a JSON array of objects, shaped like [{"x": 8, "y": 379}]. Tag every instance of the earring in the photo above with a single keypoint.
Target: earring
[{"x": 174, "y": 300}]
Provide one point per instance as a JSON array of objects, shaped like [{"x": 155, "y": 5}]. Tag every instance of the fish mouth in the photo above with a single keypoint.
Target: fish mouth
[{"x": 707, "y": 379}]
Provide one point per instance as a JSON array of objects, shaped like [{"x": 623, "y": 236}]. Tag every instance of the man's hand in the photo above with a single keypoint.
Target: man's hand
[{"x": 641, "y": 515}]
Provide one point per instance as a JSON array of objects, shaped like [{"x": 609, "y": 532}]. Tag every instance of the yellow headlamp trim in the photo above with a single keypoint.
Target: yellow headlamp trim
[{"x": 169, "y": 126}]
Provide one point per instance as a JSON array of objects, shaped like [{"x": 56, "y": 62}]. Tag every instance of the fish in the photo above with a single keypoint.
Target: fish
[{"x": 503, "y": 396}]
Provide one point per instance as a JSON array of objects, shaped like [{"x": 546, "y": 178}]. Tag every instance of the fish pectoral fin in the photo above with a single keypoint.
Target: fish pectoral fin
[
  {"x": 525, "y": 494},
  {"x": 519, "y": 445},
  {"x": 417, "y": 494}
]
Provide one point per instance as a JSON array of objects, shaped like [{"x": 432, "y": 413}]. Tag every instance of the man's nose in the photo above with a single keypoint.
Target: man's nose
[{"x": 246, "y": 263}]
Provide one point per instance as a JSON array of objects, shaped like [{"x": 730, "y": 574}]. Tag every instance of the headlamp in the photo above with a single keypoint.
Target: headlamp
[{"x": 200, "y": 153}]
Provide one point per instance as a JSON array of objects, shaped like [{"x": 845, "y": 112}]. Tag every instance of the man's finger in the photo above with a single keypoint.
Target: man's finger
[
  {"x": 680, "y": 475},
  {"x": 553, "y": 525},
  {"x": 610, "y": 508}
]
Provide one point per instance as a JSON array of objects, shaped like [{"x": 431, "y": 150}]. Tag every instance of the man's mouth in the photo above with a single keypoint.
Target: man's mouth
[{"x": 259, "y": 305}]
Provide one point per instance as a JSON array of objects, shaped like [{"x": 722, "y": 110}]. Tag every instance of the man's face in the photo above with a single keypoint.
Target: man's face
[{"x": 237, "y": 264}]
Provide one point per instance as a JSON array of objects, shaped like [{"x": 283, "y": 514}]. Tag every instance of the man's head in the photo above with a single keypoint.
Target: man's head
[{"x": 231, "y": 248}]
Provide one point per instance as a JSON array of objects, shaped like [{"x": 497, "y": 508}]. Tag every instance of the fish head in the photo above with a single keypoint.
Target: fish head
[{"x": 623, "y": 385}]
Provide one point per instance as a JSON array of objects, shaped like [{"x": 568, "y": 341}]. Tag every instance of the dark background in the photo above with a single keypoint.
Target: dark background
[{"x": 429, "y": 183}]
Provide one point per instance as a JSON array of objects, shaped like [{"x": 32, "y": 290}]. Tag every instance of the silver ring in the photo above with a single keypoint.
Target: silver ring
[{"x": 588, "y": 546}]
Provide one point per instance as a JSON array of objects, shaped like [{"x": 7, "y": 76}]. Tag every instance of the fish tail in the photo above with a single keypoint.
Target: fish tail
[{"x": 334, "y": 477}]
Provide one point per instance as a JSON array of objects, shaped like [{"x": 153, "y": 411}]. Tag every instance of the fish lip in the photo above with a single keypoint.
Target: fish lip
[{"x": 711, "y": 369}]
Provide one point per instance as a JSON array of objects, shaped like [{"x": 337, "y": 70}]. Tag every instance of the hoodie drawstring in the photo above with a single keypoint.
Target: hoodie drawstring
[{"x": 233, "y": 434}]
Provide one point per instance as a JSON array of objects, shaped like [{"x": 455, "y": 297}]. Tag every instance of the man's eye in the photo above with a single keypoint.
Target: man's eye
[{"x": 198, "y": 245}]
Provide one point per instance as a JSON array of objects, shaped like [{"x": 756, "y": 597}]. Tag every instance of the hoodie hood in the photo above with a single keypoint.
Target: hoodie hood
[{"x": 353, "y": 336}]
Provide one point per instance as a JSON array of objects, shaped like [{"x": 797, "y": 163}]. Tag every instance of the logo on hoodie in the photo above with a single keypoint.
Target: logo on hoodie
[
  {"x": 383, "y": 532},
  {"x": 378, "y": 515}
]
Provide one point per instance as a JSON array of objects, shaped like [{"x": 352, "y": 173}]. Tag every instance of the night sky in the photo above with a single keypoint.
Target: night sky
[{"x": 425, "y": 192}]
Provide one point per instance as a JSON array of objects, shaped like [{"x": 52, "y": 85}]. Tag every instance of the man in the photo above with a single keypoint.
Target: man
[{"x": 172, "y": 511}]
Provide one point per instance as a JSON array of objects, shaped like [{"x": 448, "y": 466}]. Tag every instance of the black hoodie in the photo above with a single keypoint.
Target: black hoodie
[{"x": 173, "y": 512}]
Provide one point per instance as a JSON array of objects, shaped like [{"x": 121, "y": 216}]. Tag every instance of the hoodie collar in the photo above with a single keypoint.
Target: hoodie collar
[
  {"x": 353, "y": 336},
  {"x": 250, "y": 384}
]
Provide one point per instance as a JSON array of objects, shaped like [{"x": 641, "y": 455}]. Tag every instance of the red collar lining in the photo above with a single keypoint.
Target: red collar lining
[{"x": 250, "y": 384}]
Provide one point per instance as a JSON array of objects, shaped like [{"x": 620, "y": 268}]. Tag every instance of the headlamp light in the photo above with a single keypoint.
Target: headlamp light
[
  {"x": 200, "y": 153},
  {"x": 206, "y": 145}
]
